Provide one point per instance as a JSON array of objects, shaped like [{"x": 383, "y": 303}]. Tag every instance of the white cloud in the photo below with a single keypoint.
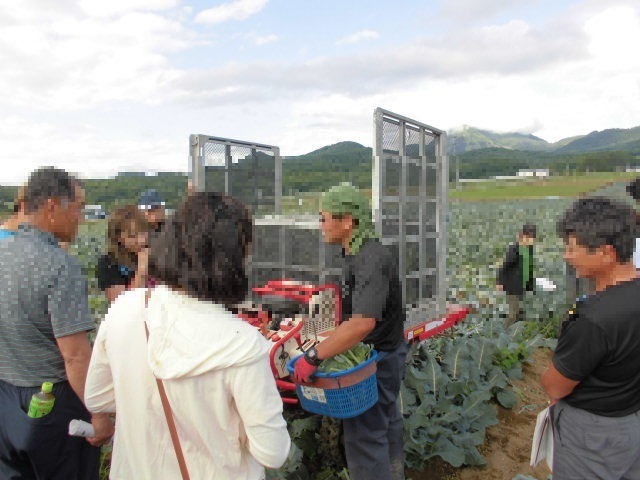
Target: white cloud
[
  {"x": 236, "y": 10},
  {"x": 514, "y": 48},
  {"x": 264, "y": 39},
  {"x": 614, "y": 37},
  {"x": 83, "y": 150},
  {"x": 315, "y": 122},
  {"x": 478, "y": 10},
  {"x": 258, "y": 39},
  {"x": 75, "y": 61},
  {"x": 358, "y": 37},
  {"x": 98, "y": 8}
]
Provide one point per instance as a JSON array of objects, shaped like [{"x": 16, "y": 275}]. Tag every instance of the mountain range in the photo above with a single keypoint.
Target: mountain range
[
  {"x": 470, "y": 138},
  {"x": 478, "y": 154}
]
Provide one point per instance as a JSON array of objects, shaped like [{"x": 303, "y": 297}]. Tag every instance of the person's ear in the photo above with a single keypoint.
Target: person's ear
[{"x": 609, "y": 252}]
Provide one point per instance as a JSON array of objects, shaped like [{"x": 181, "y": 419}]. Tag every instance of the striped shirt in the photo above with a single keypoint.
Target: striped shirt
[{"x": 43, "y": 296}]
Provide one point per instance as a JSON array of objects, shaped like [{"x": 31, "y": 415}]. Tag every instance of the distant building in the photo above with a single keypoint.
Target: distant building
[
  {"x": 508, "y": 177},
  {"x": 632, "y": 169},
  {"x": 534, "y": 172}
]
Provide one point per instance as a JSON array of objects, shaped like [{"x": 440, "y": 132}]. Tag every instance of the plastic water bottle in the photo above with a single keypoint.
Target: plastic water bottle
[{"x": 42, "y": 402}]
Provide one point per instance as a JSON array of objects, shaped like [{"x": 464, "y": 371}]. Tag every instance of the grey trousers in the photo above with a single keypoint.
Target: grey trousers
[
  {"x": 514, "y": 302},
  {"x": 588, "y": 446},
  {"x": 374, "y": 443}
]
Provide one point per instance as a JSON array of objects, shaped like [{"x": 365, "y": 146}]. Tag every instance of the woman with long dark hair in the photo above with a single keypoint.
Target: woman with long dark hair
[{"x": 214, "y": 366}]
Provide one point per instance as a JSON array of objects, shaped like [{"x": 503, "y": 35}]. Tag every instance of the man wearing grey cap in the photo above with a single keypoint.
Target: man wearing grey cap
[
  {"x": 152, "y": 205},
  {"x": 373, "y": 313}
]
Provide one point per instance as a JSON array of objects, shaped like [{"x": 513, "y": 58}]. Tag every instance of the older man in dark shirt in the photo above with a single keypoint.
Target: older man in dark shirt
[
  {"x": 594, "y": 378},
  {"x": 44, "y": 319}
]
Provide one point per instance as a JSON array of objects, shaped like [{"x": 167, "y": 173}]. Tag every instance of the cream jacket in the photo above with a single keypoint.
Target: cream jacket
[{"x": 220, "y": 387}]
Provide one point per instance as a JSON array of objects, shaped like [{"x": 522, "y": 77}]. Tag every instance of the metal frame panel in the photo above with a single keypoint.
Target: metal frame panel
[
  {"x": 407, "y": 155},
  {"x": 199, "y": 145},
  {"x": 402, "y": 199}
]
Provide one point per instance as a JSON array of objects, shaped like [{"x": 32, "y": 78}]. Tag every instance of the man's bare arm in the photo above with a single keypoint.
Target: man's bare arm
[
  {"x": 76, "y": 351},
  {"x": 345, "y": 336},
  {"x": 557, "y": 385}
]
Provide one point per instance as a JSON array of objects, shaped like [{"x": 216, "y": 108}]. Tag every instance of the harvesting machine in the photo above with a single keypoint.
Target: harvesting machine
[{"x": 295, "y": 276}]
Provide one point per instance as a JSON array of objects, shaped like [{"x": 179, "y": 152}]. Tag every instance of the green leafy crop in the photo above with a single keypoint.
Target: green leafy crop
[{"x": 353, "y": 357}]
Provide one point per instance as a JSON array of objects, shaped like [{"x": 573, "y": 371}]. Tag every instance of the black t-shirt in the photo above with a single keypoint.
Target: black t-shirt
[
  {"x": 371, "y": 288},
  {"x": 599, "y": 346},
  {"x": 109, "y": 273}
]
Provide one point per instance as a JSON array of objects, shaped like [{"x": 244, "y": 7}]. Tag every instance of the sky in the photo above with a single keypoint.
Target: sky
[{"x": 98, "y": 87}]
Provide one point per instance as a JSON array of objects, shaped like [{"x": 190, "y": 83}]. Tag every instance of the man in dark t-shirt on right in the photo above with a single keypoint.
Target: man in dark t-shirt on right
[{"x": 594, "y": 379}]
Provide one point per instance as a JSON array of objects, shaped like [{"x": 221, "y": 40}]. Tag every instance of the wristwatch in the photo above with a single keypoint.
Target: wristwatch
[{"x": 311, "y": 355}]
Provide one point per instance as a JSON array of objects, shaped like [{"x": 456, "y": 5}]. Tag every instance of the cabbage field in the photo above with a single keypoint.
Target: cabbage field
[{"x": 455, "y": 382}]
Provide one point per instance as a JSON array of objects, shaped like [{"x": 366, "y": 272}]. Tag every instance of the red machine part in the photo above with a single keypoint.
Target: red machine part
[
  {"x": 282, "y": 384},
  {"x": 430, "y": 328},
  {"x": 301, "y": 293}
]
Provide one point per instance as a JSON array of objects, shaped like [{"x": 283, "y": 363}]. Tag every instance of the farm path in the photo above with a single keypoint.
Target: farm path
[{"x": 508, "y": 443}]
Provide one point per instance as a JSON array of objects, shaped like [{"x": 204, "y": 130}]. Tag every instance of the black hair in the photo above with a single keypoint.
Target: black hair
[
  {"x": 529, "y": 229},
  {"x": 49, "y": 182},
  {"x": 202, "y": 249},
  {"x": 633, "y": 189},
  {"x": 599, "y": 221}
]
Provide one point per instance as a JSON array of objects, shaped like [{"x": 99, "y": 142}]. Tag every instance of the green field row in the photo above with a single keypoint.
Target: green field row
[{"x": 561, "y": 186}]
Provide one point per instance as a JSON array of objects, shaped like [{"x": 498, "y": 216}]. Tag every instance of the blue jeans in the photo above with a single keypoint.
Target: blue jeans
[{"x": 374, "y": 442}]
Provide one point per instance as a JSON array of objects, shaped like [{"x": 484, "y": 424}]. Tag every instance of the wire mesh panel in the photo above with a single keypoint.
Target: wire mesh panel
[
  {"x": 412, "y": 142},
  {"x": 265, "y": 248},
  {"x": 293, "y": 247},
  {"x": 260, "y": 275},
  {"x": 409, "y": 203},
  {"x": 214, "y": 164},
  {"x": 321, "y": 316},
  {"x": 250, "y": 172}
]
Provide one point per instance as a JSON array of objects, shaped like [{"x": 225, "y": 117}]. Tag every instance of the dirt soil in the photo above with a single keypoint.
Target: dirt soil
[{"x": 508, "y": 444}]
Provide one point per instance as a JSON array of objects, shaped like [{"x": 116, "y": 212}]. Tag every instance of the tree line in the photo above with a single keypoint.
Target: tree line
[{"x": 319, "y": 171}]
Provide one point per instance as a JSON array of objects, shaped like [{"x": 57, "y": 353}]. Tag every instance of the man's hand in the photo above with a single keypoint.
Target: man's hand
[
  {"x": 499, "y": 287},
  {"x": 103, "y": 426},
  {"x": 303, "y": 371},
  {"x": 143, "y": 261}
]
